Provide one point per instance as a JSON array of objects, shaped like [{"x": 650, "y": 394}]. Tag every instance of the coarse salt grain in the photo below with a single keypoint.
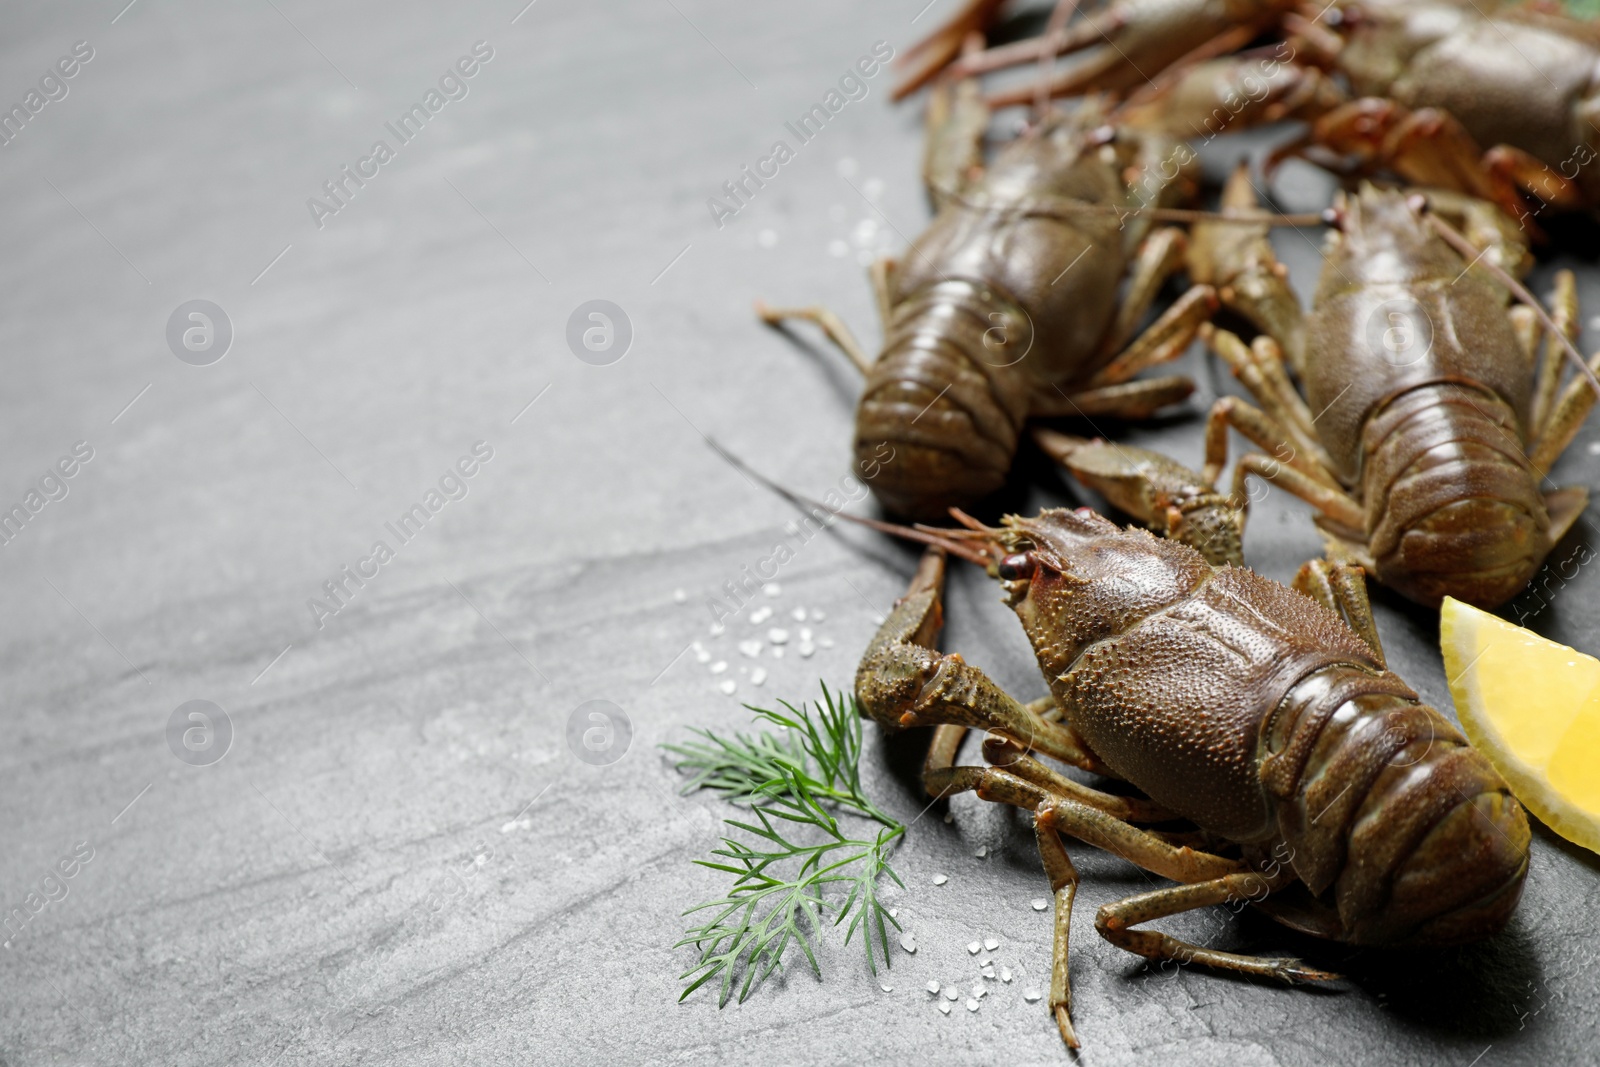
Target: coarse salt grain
[
  {"x": 719, "y": 666},
  {"x": 887, "y": 988},
  {"x": 758, "y": 676},
  {"x": 951, "y": 992},
  {"x": 760, "y": 615},
  {"x": 728, "y": 685},
  {"x": 908, "y": 942},
  {"x": 972, "y": 1005},
  {"x": 718, "y": 628},
  {"x": 818, "y": 614},
  {"x": 751, "y": 648},
  {"x": 1031, "y": 995},
  {"x": 772, "y": 589},
  {"x": 825, "y": 642},
  {"x": 939, "y": 879},
  {"x": 1040, "y": 904},
  {"x": 680, "y": 595},
  {"x": 806, "y": 650},
  {"x": 1005, "y": 974},
  {"x": 778, "y": 636},
  {"x": 944, "y": 1007},
  {"x": 702, "y": 656},
  {"x": 990, "y": 943},
  {"x": 973, "y": 948},
  {"x": 983, "y": 850},
  {"x": 933, "y": 987},
  {"x": 798, "y": 614},
  {"x": 777, "y": 652}
]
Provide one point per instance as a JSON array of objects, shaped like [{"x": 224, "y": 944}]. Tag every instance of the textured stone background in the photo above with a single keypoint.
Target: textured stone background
[{"x": 400, "y": 860}]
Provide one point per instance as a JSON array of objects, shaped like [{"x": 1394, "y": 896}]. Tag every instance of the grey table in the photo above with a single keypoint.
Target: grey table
[{"x": 399, "y": 857}]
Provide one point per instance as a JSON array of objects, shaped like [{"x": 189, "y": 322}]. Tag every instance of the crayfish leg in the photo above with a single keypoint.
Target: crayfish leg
[
  {"x": 1063, "y": 887},
  {"x": 952, "y": 155},
  {"x": 831, "y": 325},
  {"x": 1342, "y": 589},
  {"x": 1114, "y": 920},
  {"x": 931, "y": 55}
]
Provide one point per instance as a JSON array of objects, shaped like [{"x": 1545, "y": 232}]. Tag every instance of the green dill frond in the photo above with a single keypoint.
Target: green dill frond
[{"x": 804, "y": 776}]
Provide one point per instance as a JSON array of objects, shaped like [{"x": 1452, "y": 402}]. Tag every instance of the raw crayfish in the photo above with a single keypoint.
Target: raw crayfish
[{"x": 1330, "y": 796}]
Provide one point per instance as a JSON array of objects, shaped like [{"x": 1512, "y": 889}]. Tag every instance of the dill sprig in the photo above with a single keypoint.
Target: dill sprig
[{"x": 803, "y": 775}]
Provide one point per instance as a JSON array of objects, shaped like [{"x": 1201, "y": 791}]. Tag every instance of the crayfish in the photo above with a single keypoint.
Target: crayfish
[
  {"x": 1492, "y": 103},
  {"x": 1007, "y": 307},
  {"x": 1318, "y": 786},
  {"x": 1429, "y": 415}
]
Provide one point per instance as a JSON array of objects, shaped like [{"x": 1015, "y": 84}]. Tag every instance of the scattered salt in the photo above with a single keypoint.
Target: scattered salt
[
  {"x": 988, "y": 972},
  {"x": 951, "y": 992},
  {"x": 1030, "y": 995},
  {"x": 894, "y": 913},
  {"x": 838, "y": 248},
  {"x": 1040, "y": 904},
  {"x": 798, "y": 615},
  {"x": 758, "y": 676},
  {"x": 825, "y": 642},
  {"x": 1005, "y": 974},
  {"x": 719, "y": 666},
  {"x": 772, "y": 589},
  {"x": 908, "y": 941},
  {"x": 760, "y": 615},
  {"x": 680, "y": 595},
  {"x": 983, "y": 850},
  {"x": 991, "y": 943},
  {"x": 778, "y": 636},
  {"x": 818, "y": 614},
  {"x": 939, "y": 879},
  {"x": 933, "y": 987},
  {"x": 728, "y": 685},
  {"x": 978, "y": 991},
  {"x": 751, "y": 648},
  {"x": 702, "y": 656},
  {"x": 944, "y": 1007},
  {"x": 973, "y": 948},
  {"x": 972, "y": 1005},
  {"x": 887, "y": 988},
  {"x": 767, "y": 238},
  {"x": 806, "y": 650},
  {"x": 717, "y": 629},
  {"x": 949, "y": 817},
  {"x": 777, "y": 653}
]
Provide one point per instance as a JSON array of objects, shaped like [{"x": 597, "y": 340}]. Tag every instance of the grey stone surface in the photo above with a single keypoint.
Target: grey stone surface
[{"x": 400, "y": 859}]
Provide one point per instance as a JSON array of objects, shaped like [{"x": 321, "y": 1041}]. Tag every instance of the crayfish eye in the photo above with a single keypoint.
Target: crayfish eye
[{"x": 1016, "y": 568}]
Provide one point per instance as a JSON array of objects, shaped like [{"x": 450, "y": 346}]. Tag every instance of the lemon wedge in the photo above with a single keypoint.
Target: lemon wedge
[{"x": 1532, "y": 706}]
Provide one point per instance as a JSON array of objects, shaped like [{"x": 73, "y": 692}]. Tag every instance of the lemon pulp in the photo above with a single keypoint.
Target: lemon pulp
[{"x": 1531, "y": 706}]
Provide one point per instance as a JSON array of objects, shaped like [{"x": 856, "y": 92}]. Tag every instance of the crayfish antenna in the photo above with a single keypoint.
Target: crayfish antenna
[{"x": 949, "y": 540}]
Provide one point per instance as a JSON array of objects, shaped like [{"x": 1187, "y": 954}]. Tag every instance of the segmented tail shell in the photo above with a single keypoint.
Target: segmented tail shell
[
  {"x": 1455, "y": 506},
  {"x": 946, "y": 398},
  {"x": 1394, "y": 821}
]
